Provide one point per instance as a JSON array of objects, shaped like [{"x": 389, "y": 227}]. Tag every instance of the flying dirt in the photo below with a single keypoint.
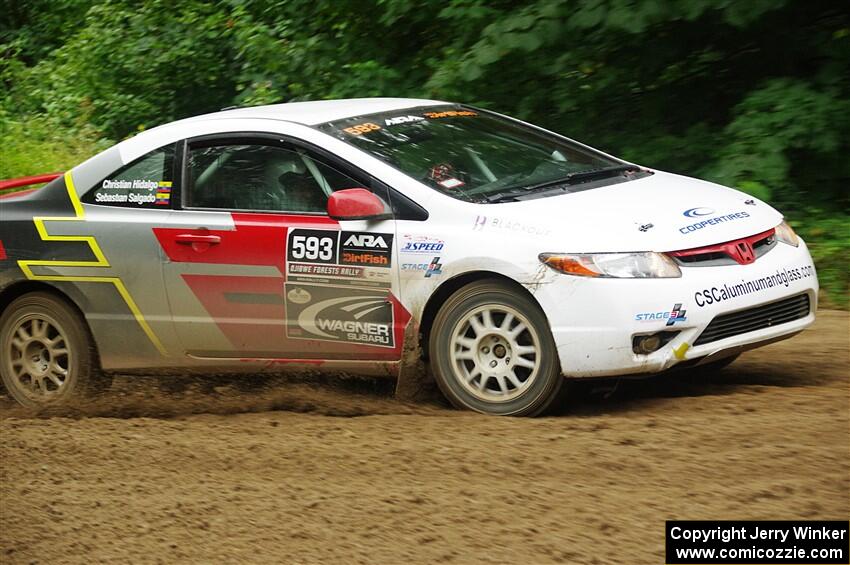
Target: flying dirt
[{"x": 329, "y": 470}]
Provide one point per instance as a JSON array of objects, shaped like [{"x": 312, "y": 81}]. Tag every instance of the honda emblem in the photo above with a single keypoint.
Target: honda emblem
[{"x": 746, "y": 253}]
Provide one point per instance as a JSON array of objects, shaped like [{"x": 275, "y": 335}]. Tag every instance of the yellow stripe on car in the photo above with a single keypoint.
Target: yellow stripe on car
[{"x": 100, "y": 261}]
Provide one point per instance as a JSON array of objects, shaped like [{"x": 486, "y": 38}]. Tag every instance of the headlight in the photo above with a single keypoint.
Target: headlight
[
  {"x": 785, "y": 234},
  {"x": 614, "y": 265}
]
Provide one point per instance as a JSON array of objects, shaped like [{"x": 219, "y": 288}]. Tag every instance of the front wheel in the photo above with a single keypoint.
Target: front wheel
[
  {"x": 492, "y": 351},
  {"x": 46, "y": 357}
]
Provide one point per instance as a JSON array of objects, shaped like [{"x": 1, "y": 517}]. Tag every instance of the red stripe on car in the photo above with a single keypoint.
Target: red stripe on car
[
  {"x": 9, "y": 184},
  {"x": 258, "y": 239},
  {"x": 258, "y": 326}
]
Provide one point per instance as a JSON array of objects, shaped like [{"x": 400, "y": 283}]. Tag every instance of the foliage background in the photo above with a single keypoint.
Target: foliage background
[{"x": 751, "y": 94}]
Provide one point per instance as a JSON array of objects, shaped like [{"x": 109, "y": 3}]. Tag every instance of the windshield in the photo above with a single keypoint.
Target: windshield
[{"x": 474, "y": 155}]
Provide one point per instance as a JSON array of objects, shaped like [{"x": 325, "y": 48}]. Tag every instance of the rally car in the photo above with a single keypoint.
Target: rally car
[{"x": 343, "y": 235}]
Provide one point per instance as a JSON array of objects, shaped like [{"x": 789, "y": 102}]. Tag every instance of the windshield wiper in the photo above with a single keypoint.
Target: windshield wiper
[
  {"x": 513, "y": 192},
  {"x": 503, "y": 196},
  {"x": 583, "y": 175}
]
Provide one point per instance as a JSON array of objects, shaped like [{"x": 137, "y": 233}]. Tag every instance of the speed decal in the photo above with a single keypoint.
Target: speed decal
[
  {"x": 421, "y": 244},
  {"x": 362, "y": 315}
]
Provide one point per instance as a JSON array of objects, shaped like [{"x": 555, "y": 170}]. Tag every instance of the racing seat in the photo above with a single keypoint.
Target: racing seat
[{"x": 297, "y": 188}]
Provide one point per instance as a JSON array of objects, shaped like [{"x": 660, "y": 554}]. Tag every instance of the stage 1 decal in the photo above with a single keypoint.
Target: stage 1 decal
[{"x": 361, "y": 316}]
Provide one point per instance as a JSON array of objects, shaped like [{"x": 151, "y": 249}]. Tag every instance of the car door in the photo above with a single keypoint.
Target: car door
[{"x": 257, "y": 269}]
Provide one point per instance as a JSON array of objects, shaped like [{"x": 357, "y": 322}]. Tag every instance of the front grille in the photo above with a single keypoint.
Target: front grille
[
  {"x": 721, "y": 254},
  {"x": 757, "y": 318}
]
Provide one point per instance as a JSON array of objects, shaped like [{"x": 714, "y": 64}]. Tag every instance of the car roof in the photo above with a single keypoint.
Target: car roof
[{"x": 320, "y": 111}]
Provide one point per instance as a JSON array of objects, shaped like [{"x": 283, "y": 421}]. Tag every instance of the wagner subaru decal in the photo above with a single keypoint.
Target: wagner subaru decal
[
  {"x": 361, "y": 315},
  {"x": 365, "y": 248}
]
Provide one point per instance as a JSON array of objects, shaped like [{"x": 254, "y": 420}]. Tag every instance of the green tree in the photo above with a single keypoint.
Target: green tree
[{"x": 750, "y": 94}]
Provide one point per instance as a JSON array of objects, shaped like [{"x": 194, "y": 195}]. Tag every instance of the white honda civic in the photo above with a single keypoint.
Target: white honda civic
[{"x": 343, "y": 235}]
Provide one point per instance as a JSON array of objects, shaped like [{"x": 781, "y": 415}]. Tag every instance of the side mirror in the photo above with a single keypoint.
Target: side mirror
[{"x": 356, "y": 204}]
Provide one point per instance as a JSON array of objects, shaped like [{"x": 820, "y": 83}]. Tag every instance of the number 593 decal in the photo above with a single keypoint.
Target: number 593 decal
[
  {"x": 313, "y": 247},
  {"x": 360, "y": 129},
  {"x": 364, "y": 249}
]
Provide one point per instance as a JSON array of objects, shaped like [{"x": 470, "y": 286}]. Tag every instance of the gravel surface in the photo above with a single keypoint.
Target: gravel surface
[{"x": 321, "y": 470}]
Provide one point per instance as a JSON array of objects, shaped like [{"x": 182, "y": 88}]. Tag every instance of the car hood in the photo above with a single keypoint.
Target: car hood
[{"x": 660, "y": 212}]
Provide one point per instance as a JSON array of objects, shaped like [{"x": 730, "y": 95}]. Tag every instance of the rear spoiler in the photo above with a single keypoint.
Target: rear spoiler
[{"x": 7, "y": 187}]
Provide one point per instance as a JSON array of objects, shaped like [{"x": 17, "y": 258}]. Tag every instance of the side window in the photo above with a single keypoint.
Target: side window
[
  {"x": 144, "y": 183},
  {"x": 260, "y": 177}
]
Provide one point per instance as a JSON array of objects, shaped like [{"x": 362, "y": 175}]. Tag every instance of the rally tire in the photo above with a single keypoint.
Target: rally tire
[
  {"x": 492, "y": 351},
  {"x": 46, "y": 353}
]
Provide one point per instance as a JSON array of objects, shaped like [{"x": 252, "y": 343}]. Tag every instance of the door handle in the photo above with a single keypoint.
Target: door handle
[{"x": 190, "y": 238}]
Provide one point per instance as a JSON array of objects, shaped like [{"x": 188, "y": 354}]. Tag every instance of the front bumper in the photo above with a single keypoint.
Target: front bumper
[{"x": 594, "y": 321}]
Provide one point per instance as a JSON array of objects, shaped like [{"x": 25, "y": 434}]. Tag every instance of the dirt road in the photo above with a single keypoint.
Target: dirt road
[{"x": 234, "y": 471}]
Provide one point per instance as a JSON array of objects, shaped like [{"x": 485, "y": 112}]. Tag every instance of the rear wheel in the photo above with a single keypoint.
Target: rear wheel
[
  {"x": 492, "y": 351},
  {"x": 46, "y": 355}
]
